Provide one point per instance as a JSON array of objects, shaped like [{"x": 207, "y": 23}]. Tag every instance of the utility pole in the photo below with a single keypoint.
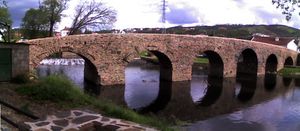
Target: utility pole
[{"x": 164, "y": 16}]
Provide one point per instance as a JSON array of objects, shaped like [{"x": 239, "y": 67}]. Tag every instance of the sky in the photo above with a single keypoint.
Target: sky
[{"x": 146, "y": 13}]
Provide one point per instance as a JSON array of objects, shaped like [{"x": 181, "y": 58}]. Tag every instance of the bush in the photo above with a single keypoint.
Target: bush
[{"x": 53, "y": 88}]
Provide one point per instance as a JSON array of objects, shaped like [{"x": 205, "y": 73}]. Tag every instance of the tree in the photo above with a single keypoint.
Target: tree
[
  {"x": 91, "y": 15},
  {"x": 5, "y": 21},
  {"x": 53, "y": 10},
  {"x": 287, "y": 7},
  {"x": 35, "y": 24}
]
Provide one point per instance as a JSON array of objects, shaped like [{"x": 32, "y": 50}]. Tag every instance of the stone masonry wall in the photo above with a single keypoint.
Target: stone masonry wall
[
  {"x": 20, "y": 58},
  {"x": 110, "y": 53}
]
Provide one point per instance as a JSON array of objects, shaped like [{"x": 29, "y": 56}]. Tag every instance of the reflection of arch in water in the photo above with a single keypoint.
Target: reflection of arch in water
[
  {"x": 286, "y": 81},
  {"x": 163, "y": 98},
  {"x": 247, "y": 63},
  {"x": 288, "y": 61},
  {"x": 207, "y": 95},
  {"x": 297, "y": 82},
  {"x": 148, "y": 90},
  {"x": 248, "y": 86},
  {"x": 270, "y": 72},
  {"x": 270, "y": 81}
]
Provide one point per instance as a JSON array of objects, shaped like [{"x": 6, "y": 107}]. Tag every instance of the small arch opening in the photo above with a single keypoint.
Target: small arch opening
[
  {"x": 271, "y": 64},
  {"x": 288, "y": 62},
  {"x": 247, "y": 63}
]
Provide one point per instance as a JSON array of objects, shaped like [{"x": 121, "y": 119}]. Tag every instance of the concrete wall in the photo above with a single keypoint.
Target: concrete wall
[{"x": 20, "y": 58}]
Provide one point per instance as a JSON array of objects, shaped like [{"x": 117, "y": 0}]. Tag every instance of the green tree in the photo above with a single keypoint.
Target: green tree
[
  {"x": 5, "y": 21},
  {"x": 53, "y": 10},
  {"x": 92, "y": 15},
  {"x": 35, "y": 24}
]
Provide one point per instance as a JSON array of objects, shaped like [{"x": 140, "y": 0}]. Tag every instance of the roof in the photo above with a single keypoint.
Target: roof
[
  {"x": 281, "y": 41},
  {"x": 66, "y": 29}
]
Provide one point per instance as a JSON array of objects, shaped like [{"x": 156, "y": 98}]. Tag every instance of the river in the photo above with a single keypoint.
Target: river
[{"x": 270, "y": 103}]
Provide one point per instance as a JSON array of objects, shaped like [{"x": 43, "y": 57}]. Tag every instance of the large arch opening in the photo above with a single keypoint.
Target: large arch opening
[
  {"x": 208, "y": 63},
  {"x": 247, "y": 63},
  {"x": 78, "y": 68},
  {"x": 148, "y": 81},
  {"x": 288, "y": 62},
  {"x": 207, "y": 78},
  {"x": 270, "y": 72}
]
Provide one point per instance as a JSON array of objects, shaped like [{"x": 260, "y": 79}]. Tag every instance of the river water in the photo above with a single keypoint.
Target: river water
[{"x": 270, "y": 103}]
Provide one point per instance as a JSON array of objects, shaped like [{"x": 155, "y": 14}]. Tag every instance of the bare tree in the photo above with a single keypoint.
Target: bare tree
[
  {"x": 91, "y": 15},
  {"x": 287, "y": 7}
]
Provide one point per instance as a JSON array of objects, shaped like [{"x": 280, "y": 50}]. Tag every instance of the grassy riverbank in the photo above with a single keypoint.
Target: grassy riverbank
[
  {"x": 60, "y": 90},
  {"x": 290, "y": 71}
]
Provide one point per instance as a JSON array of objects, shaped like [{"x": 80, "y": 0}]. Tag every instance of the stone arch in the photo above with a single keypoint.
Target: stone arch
[
  {"x": 270, "y": 72},
  {"x": 216, "y": 65},
  {"x": 247, "y": 62},
  {"x": 165, "y": 63},
  {"x": 271, "y": 64},
  {"x": 288, "y": 61},
  {"x": 49, "y": 52},
  {"x": 91, "y": 73}
]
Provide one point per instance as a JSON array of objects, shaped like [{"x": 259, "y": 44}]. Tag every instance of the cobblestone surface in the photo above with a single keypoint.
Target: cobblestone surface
[{"x": 82, "y": 120}]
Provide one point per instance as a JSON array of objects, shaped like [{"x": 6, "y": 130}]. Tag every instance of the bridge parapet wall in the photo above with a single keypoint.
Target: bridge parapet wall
[{"x": 110, "y": 53}]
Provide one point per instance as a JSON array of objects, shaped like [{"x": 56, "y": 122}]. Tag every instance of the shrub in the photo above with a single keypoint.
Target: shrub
[{"x": 53, "y": 88}]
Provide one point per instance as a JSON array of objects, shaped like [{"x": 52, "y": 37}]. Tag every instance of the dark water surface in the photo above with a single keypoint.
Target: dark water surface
[{"x": 270, "y": 103}]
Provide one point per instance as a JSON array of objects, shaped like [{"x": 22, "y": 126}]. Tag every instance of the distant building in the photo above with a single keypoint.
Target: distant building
[
  {"x": 287, "y": 42},
  {"x": 65, "y": 32}
]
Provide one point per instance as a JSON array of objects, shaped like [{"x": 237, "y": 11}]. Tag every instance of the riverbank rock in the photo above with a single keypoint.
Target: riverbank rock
[{"x": 82, "y": 120}]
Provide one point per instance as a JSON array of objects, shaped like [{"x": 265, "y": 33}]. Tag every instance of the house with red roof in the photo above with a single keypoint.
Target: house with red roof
[{"x": 287, "y": 42}]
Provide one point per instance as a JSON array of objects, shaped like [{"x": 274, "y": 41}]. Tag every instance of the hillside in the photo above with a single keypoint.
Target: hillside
[{"x": 232, "y": 31}]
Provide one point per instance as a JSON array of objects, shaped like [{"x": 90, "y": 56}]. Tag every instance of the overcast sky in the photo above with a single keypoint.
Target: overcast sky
[{"x": 146, "y": 13}]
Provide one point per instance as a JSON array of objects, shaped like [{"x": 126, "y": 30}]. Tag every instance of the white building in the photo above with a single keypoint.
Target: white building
[{"x": 65, "y": 32}]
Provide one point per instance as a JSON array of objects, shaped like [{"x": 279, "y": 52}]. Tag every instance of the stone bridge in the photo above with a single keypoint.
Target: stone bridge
[{"x": 107, "y": 55}]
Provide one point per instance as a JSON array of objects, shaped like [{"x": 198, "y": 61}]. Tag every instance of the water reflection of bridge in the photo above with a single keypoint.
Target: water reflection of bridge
[{"x": 222, "y": 97}]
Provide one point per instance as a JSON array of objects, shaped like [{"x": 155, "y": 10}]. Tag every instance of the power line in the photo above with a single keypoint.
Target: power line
[{"x": 163, "y": 19}]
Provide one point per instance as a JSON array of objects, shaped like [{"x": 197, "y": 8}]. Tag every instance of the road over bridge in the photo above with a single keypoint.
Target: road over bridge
[{"x": 107, "y": 55}]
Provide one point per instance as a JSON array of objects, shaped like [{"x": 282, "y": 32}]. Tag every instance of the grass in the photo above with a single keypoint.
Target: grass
[
  {"x": 200, "y": 60},
  {"x": 290, "y": 71},
  {"x": 60, "y": 90}
]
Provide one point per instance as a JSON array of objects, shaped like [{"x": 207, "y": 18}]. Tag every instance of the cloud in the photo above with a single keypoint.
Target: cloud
[
  {"x": 182, "y": 15},
  {"x": 17, "y": 9},
  {"x": 143, "y": 13}
]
